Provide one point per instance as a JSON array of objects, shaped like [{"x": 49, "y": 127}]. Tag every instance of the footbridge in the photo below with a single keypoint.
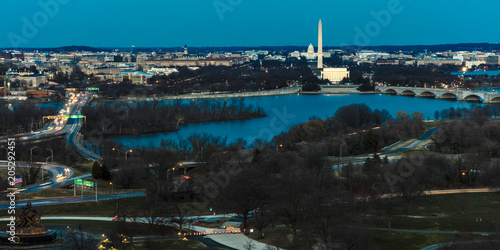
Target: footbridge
[{"x": 438, "y": 93}]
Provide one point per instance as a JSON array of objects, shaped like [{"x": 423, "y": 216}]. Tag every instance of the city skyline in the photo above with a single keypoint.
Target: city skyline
[{"x": 55, "y": 23}]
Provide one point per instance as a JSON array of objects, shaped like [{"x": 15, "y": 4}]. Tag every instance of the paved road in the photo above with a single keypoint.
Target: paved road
[
  {"x": 58, "y": 175},
  {"x": 75, "y": 200},
  {"x": 424, "y": 137},
  {"x": 74, "y": 130},
  {"x": 59, "y": 127},
  {"x": 229, "y": 241},
  {"x": 56, "y": 127},
  {"x": 359, "y": 160}
]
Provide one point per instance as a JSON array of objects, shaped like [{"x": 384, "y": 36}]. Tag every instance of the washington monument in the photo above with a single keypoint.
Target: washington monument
[{"x": 320, "y": 45}]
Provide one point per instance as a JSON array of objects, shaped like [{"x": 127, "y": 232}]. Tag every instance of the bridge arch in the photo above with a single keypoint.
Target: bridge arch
[
  {"x": 408, "y": 93},
  {"x": 390, "y": 92},
  {"x": 473, "y": 98},
  {"x": 427, "y": 94},
  {"x": 449, "y": 96},
  {"x": 495, "y": 100}
]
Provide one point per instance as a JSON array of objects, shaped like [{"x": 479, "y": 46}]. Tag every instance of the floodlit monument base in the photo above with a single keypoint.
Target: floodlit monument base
[
  {"x": 29, "y": 239},
  {"x": 28, "y": 229}
]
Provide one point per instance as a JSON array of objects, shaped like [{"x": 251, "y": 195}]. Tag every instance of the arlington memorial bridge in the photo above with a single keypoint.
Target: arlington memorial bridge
[{"x": 448, "y": 94}]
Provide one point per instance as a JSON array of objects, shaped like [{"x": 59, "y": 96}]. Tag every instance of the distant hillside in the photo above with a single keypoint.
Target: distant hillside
[
  {"x": 76, "y": 48},
  {"x": 71, "y": 48},
  {"x": 386, "y": 48},
  {"x": 430, "y": 48}
]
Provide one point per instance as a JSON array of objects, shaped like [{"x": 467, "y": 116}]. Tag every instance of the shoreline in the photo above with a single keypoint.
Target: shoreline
[
  {"x": 289, "y": 91},
  {"x": 193, "y": 96},
  {"x": 178, "y": 128}
]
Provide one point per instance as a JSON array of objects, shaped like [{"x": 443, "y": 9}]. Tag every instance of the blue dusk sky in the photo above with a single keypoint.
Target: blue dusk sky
[{"x": 168, "y": 23}]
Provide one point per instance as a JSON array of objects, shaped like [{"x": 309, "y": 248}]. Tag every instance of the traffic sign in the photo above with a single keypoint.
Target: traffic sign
[
  {"x": 88, "y": 183},
  {"x": 78, "y": 181},
  {"x": 84, "y": 183}
]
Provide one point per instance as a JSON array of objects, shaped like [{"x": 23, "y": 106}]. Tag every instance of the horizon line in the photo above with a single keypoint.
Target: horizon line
[{"x": 249, "y": 46}]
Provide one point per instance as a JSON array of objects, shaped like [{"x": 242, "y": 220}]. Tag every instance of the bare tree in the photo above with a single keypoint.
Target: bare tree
[
  {"x": 152, "y": 217},
  {"x": 80, "y": 240},
  {"x": 249, "y": 245},
  {"x": 179, "y": 215},
  {"x": 30, "y": 173}
]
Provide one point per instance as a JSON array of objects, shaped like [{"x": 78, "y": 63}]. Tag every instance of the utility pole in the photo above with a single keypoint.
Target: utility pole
[{"x": 41, "y": 169}]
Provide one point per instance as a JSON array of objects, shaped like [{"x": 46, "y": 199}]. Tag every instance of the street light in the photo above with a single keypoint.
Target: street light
[
  {"x": 111, "y": 183},
  {"x": 277, "y": 147},
  {"x": 31, "y": 153},
  {"x": 126, "y": 154},
  {"x": 51, "y": 154}
]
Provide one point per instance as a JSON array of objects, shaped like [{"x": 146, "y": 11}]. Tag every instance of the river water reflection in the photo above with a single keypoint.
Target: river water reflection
[{"x": 288, "y": 110}]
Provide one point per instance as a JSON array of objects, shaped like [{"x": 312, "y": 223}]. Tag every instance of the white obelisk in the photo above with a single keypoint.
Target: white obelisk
[{"x": 320, "y": 45}]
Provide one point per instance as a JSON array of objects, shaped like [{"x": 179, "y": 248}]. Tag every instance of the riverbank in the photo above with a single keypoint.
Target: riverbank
[
  {"x": 325, "y": 90},
  {"x": 206, "y": 95},
  {"x": 338, "y": 90},
  {"x": 148, "y": 117},
  {"x": 34, "y": 101}
]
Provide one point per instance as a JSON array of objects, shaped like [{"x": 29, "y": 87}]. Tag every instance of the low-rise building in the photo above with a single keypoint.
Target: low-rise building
[
  {"x": 334, "y": 75},
  {"x": 439, "y": 62},
  {"x": 30, "y": 80}
]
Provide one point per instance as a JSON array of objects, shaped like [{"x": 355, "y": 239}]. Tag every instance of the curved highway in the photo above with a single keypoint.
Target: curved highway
[
  {"x": 59, "y": 175},
  {"x": 75, "y": 200},
  {"x": 422, "y": 138},
  {"x": 61, "y": 126}
]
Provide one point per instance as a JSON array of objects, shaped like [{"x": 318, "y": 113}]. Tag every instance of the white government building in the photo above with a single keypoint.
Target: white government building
[{"x": 334, "y": 75}]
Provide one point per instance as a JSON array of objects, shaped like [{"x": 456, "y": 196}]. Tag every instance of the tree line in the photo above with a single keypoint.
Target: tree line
[
  {"x": 147, "y": 117},
  {"x": 23, "y": 117},
  {"x": 351, "y": 128},
  {"x": 289, "y": 186}
]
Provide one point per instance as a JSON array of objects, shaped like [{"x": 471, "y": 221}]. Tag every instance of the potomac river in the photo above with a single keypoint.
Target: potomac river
[{"x": 286, "y": 111}]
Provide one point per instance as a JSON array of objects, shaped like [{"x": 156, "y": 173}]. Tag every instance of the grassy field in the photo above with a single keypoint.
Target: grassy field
[
  {"x": 469, "y": 212},
  {"x": 56, "y": 243},
  {"x": 101, "y": 208},
  {"x": 177, "y": 244},
  {"x": 450, "y": 212},
  {"x": 106, "y": 208},
  {"x": 142, "y": 229},
  {"x": 411, "y": 241}
]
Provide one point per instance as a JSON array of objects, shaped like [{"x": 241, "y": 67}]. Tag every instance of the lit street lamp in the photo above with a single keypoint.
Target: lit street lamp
[
  {"x": 31, "y": 153},
  {"x": 277, "y": 147},
  {"x": 126, "y": 154}
]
